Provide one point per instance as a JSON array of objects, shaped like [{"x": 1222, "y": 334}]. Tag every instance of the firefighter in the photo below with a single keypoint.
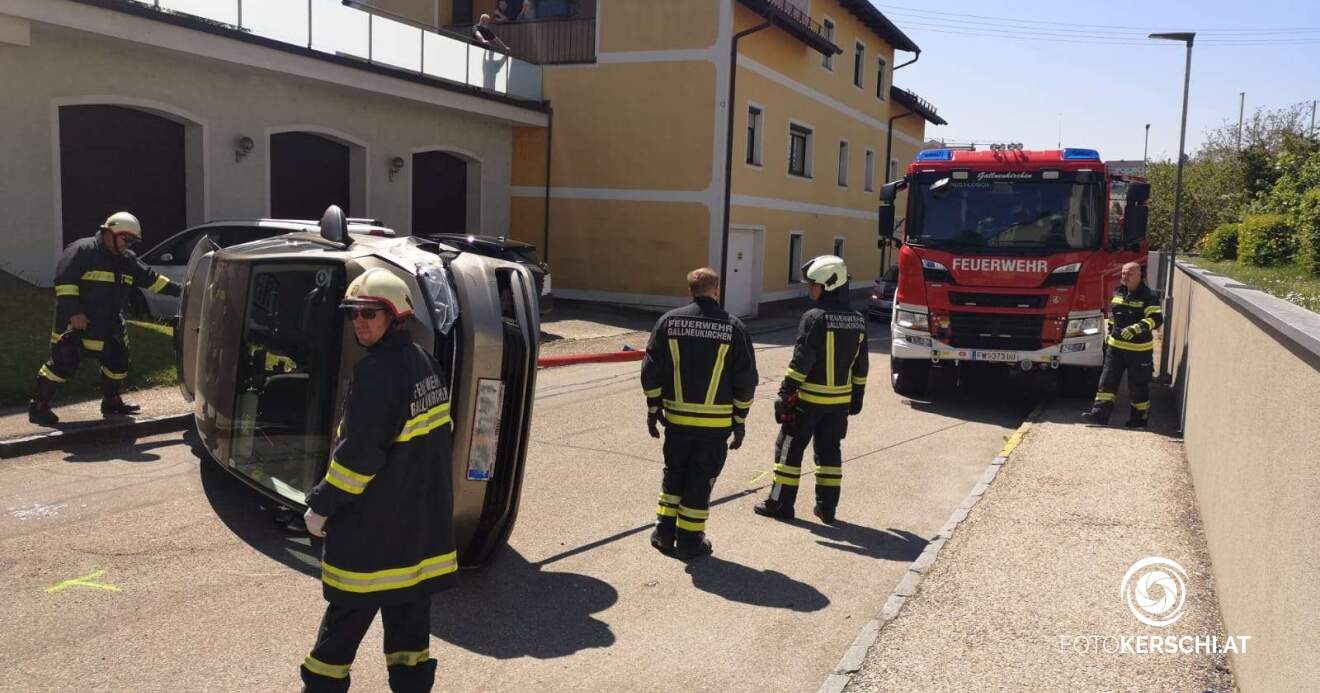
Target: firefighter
[
  {"x": 92, "y": 284},
  {"x": 699, "y": 377},
  {"x": 1136, "y": 316},
  {"x": 385, "y": 506},
  {"x": 825, "y": 384}
]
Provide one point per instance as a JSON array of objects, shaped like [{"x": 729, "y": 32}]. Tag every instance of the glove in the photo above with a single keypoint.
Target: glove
[
  {"x": 653, "y": 424},
  {"x": 1130, "y": 331},
  {"x": 739, "y": 430},
  {"x": 78, "y": 322},
  {"x": 786, "y": 409},
  {"x": 315, "y": 523},
  {"x": 858, "y": 395}
]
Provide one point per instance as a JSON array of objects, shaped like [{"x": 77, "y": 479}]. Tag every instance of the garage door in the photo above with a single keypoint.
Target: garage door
[
  {"x": 439, "y": 194},
  {"x": 307, "y": 174}
]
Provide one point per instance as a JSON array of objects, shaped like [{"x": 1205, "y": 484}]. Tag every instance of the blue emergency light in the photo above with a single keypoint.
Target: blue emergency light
[
  {"x": 1085, "y": 154},
  {"x": 935, "y": 155}
]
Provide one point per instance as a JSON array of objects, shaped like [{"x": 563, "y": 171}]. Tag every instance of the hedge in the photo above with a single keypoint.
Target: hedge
[
  {"x": 1266, "y": 240},
  {"x": 1221, "y": 244}
]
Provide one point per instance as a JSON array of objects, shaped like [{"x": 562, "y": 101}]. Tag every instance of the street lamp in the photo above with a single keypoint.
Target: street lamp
[
  {"x": 1145, "y": 150},
  {"x": 1167, "y": 283}
]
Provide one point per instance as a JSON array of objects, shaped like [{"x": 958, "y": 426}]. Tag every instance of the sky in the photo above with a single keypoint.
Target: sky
[{"x": 1089, "y": 65}]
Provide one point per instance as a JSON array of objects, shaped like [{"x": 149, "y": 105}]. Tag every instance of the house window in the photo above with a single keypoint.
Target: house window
[
  {"x": 754, "y": 135},
  {"x": 838, "y": 247},
  {"x": 827, "y": 61},
  {"x": 880, "y": 81},
  {"x": 859, "y": 60},
  {"x": 799, "y": 151},
  {"x": 870, "y": 171},
  {"x": 843, "y": 163},
  {"x": 794, "y": 258}
]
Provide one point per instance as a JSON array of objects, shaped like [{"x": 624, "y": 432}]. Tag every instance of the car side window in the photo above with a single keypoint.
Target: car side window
[{"x": 175, "y": 253}]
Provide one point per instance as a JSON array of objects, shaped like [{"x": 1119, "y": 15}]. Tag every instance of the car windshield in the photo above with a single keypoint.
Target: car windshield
[
  {"x": 1026, "y": 214},
  {"x": 523, "y": 254}
]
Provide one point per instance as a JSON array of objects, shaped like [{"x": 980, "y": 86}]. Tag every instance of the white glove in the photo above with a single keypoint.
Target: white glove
[{"x": 315, "y": 523}]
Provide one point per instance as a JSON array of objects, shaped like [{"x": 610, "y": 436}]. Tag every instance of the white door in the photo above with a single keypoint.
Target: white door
[{"x": 742, "y": 262}]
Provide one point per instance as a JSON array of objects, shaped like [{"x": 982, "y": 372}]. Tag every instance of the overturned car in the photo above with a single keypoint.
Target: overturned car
[{"x": 265, "y": 357}]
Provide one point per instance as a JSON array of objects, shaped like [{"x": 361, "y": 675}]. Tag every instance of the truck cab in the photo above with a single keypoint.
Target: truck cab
[
  {"x": 1009, "y": 257},
  {"x": 266, "y": 357}
]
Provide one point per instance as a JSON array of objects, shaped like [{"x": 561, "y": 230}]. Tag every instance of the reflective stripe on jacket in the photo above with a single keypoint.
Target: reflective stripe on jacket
[
  {"x": 700, "y": 367},
  {"x": 1139, "y": 308},
  {"x": 830, "y": 358},
  {"x": 95, "y": 282}
]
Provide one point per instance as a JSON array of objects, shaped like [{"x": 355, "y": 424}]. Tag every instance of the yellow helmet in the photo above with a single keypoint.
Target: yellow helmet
[
  {"x": 379, "y": 286},
  {"x": 123, "y": 224}
]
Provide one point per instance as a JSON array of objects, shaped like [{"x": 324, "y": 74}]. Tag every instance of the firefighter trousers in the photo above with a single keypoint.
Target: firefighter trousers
[
  {"x": 825, "y": 428},
  {"x": 1139, "y": 366},
  {"x": 693, "y": 460},
  {"x": 66, "y": 350},
  {"x": 407, "y": 646}
]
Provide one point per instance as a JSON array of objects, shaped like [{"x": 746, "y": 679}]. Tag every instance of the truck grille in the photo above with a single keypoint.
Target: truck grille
[
  {"x": 962, "y": 298},
  {"x": 994, "y": 331}
]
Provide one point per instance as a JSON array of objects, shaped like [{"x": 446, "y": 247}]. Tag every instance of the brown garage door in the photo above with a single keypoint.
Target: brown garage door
[
  {"x": 307, "y": 174},
  {"x": 121, "y": 159},
  {"x": 439, "y": 194}
]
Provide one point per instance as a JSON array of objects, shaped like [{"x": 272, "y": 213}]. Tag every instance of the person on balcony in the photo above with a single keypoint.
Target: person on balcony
[
  {"x": 486, "y": 37},
  {"x": 502, "y": 13},
  {"x": 528, "y": 11}
]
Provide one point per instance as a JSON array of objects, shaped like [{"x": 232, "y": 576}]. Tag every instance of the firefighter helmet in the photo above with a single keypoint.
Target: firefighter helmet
[
  {"x": 827, "y": 270},
  {"x": 379, "y": 286},
  {"x": 123, "y": 224}
]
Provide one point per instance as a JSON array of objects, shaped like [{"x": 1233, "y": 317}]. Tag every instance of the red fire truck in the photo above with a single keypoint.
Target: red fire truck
[{"x": 1010, "y": 257}]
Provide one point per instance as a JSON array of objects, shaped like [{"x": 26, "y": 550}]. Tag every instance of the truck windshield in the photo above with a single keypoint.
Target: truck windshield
[{"x": 1027, "y": 214}]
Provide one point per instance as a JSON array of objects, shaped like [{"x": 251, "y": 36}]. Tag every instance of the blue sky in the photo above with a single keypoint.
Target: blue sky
[{"x": 1002, "y": 87}]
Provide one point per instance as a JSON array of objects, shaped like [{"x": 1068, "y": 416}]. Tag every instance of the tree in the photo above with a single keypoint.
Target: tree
[{"x": 1214, "y": 191}]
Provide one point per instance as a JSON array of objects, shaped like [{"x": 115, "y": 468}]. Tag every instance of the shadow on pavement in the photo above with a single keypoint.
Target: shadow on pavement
[
  {"x": 769, "y": 588},
  {"x": 1164, "y": 417},
  {"x": 985, "y": 394},
  {"x": 122, "y": 450},
  {"x": 890, "y": 545},
  {"x": 514, "y": 608}
]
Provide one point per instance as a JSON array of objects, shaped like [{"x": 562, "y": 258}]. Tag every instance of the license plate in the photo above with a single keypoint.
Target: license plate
[
  {"x": 486, "y": 431},
  {"x": 995, "y": 356}
]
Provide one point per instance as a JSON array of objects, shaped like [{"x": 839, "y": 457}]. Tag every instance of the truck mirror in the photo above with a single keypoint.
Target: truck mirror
[
  {"x": 1134, "y": 222},
  {"x": 333, "y": 226},
  {"x": 1138, "y": 192},
  {"x": 889, "y": 191},
  {"x": 886, "y": 221}
]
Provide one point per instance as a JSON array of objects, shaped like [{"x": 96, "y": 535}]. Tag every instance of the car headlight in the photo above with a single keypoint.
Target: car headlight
[
  {"x": 1065, "y": 269},
  {"x": 909, "y": 320},
  {"x": 1085, "y": 327}
]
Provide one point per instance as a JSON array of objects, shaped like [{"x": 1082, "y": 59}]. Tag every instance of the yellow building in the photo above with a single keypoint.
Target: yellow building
[{"x": 637, "y": 140}]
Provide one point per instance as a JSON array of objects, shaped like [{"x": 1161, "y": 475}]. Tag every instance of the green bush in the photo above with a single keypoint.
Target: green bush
[
  {"x": 1266, "y": 240},
  {"x": 1221, "y": 244},
  {"x": 1306, "y": 221}
]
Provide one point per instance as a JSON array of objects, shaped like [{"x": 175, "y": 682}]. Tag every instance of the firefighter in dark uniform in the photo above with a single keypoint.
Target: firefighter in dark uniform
[
  {"x": 1135, "y": 317},
  {"x": 92, "y": 284},
  {"x": 385, "y": 506},
  {"x": 825, "y": 384},
  {"x": 699, "y": 376}
]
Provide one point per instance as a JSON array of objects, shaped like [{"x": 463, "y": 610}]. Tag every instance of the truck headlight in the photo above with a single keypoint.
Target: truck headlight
[
  {"x": 1085, "y": 327},
  {"x": 909, "y": 320}
]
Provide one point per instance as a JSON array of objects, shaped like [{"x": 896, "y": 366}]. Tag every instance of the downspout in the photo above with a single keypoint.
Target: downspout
[
  {"x": 914, "y": 59},
  {"x": 728, "y": 152},
  {"x": 889, "y": 146},
  {"x": 549, "y": 136}
]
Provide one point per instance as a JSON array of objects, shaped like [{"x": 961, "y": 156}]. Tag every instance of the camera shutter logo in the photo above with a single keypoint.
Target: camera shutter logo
[{"x": 1155, "y": 589}]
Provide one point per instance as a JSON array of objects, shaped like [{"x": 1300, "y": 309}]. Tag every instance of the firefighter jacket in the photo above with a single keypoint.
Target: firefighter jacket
[
  {"x": 388, "y": 492},
  {"x": 700, "y": 367},
  {"x": 830, "y": 359},
  {"x": 1138, "y": 313},
  {"x": 95, "y": 282}
]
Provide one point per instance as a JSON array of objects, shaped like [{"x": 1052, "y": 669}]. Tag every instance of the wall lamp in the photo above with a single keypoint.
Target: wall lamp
[
  {"x": 396, "y": 165},
  {"x": 242, "y": 147}
]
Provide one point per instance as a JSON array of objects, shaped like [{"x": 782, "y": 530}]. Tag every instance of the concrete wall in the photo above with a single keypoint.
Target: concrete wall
[
  {"x": 220, "y": 102},
  {"x": 1247, "y": 369}
]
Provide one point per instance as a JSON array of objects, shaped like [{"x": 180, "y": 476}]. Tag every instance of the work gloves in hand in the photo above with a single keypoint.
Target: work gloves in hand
[
  {"x": 315, "y": 523},
  {"x": 1130, "y": 331},
  {"x": 858, "y": 394},
  {"x": 786, "y": 409},
  {"x": 739, "y": 431},
  {"x": 653, "y": 424}
]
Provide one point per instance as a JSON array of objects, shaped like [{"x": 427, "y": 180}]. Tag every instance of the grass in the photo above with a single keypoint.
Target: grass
[
  {"x": 1289, "y": 282},
  {"x": 25, "y": 345}
]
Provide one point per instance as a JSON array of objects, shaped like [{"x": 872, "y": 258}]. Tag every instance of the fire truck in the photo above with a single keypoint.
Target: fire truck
[{"x": 1009, "y": 256}]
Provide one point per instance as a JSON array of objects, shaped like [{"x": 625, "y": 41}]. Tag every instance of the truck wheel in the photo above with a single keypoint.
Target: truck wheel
[
  {"x": 909, "y": 376},
  {"x": 1079, "y": 382}
]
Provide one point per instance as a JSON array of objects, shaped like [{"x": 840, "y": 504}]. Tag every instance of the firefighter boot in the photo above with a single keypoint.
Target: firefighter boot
[
  {"x": 1099, "y": 413},
  {"x": 39, "y": 409},
  {"x": 413, "y": 679},
  {"x": 695, "y": 546},
  {"x": 825, "y": 514},
  {"x": 1138, "y": 418},
  {"x": 662, "y": 537},
  {"x": 774, "y": 509},
  {"x": 111, "y": 403}
]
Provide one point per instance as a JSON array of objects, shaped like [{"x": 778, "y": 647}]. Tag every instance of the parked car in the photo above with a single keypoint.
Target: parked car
[
  {"x": 170, "y": 256},
  {"x": 882, "y": 294},
  {"x": 504, "y": 249}
]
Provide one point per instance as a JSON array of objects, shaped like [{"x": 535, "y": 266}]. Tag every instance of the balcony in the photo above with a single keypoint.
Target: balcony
[
  {"x": 791, "y": 16},
  {"x": 350, "y": 29},
  {"x": 552, "y": 41}
]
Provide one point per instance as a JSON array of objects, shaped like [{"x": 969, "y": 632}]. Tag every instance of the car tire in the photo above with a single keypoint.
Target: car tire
[{"x": 909, "y": 376}]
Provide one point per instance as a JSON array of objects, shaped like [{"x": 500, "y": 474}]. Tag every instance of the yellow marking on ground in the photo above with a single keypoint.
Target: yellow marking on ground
[
  {"x": 84, "y": 581},
  {"x": 1016, "y": 438}
]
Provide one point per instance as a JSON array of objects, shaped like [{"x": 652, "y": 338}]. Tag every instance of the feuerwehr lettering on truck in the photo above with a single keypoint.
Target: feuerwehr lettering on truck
[{"x": 1000, "y": 264}]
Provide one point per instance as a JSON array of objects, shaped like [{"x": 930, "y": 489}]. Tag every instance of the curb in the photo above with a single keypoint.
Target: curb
[
  {"x": 53, "y": 440},
  {"x": 574, "y": 359},
  {"x": 852, "y": 660}
]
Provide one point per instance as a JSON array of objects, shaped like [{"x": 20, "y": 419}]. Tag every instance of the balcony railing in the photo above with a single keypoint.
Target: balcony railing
[
  {"x": 329, "y": 26},
  {"x": 547, "y": 41}
]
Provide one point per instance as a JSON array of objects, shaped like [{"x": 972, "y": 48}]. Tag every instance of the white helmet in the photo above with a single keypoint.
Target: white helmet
[
  {"x": 827, "y": 270},
  {"x": 123, "y": 224},
  {"x": 379, "y": 287}
]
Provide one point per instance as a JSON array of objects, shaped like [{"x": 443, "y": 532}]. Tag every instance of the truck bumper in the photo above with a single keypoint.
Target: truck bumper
[{"x": 1077, "y": 351}]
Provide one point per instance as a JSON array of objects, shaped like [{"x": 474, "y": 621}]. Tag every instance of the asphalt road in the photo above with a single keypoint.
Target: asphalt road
[{"x": 142, "y": 567}]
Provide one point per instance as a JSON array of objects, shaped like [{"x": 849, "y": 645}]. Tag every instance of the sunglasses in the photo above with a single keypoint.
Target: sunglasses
[{"x": 364, "y": 313}]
